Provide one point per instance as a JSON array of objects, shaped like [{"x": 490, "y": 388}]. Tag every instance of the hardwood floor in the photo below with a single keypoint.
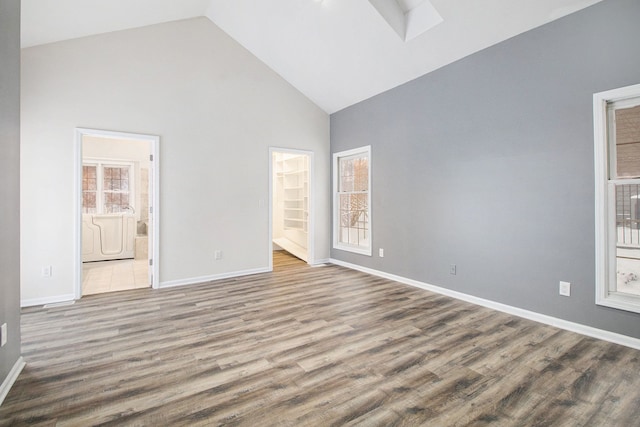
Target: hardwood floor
[{"x": 324, "y": 346}]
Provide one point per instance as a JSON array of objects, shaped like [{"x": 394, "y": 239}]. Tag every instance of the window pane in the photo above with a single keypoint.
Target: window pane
[
  {"x": 116, "y": 202},
  {"x": 361, "y": 174},
  {"x": 344, "y": 210},
  {"x": 354, "y": 174},
  {"x": 89, "y": 185},
  {"x": 89, "y": 171},
  {"x": 88, "y": 202},
  {"x": 116, "y": 189},
  {"x": 346, "y": 175},
  {"x": 354, "y": 219},
  {"x": 89, "y": 178},
  {"x": 108, "y": 178},
  {"x": 92, "y": 184},
  {"x": 628, "y": 238},
  {"x": 116, "y": 178},
  {"x": 628, "y": 142}
]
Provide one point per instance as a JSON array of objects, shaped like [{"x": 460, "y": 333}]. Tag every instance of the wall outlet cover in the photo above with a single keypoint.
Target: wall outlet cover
[
  {"x": 565, "y": 289},
  {"x": 46, "y": 271},
  {"x": 3, "y": 334}
]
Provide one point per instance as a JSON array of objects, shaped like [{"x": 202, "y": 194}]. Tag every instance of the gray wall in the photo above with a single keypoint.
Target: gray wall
[
  {"x": 488, "y": 164},
  {"x": 9, "y": 181}
]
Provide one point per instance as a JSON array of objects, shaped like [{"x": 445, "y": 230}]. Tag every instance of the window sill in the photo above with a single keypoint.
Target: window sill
[
  {"x": 353, "y": 249},
  {"x": 620, "y": 301}
]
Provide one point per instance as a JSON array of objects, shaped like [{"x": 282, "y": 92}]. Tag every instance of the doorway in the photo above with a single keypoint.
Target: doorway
[
  {"x": 116, "y": 193},
  {"x": 291, "y": 203}
]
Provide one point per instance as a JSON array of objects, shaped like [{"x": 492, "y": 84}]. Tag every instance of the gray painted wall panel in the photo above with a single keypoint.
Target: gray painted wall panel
[
  {"x": 488, "y": 164},
  {"x": 9, "y": 181}
]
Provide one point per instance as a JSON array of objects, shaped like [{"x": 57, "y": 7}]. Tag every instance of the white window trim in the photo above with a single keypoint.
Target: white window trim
[
  {"x": 605, "y": 226},
  {"x": 366, "y": 150},
  {"x": 100, "y": 163}
]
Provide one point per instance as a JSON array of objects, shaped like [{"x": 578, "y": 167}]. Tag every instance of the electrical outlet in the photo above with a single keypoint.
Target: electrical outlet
[
  {"x": 452, "y": 269},
  {"x": 381, "y": 253},
  {"x": 3, "y": 335},
  {"x": 46, "y": 271},
  {"x": 565, "y": 289},
  {"x": 217, "y": 255}
]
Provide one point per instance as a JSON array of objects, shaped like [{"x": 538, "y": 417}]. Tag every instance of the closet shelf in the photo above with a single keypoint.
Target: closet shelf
[{"x": 292, "y": 172}]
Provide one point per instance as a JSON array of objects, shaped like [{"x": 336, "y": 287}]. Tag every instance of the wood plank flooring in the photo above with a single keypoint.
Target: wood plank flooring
[{"x": 303, "y": 346}]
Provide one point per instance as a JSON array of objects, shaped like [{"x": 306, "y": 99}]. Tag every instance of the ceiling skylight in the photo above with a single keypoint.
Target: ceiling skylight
[{"x": 408, "y": 18}]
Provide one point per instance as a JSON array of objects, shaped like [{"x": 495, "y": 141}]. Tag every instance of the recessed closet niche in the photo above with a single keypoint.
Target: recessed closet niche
[{"x": 291, "y": 203}]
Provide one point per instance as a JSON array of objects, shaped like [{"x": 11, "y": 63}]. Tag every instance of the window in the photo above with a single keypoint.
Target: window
[
  {"x": 617, "y": 163},
  {"x": 89, "y": 189},
  {"x": 106, "y": 187},
  {"x": 115, "y": 189},
  {"x": 352, "y": 200}
]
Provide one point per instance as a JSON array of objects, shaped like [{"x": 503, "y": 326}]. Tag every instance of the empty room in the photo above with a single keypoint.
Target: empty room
[{"x": 320, "y": 212}]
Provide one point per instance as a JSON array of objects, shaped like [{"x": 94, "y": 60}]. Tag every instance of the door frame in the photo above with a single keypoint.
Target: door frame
[
  {"x": 312, "y": 203},
  {"x": 154, "y": 178}
]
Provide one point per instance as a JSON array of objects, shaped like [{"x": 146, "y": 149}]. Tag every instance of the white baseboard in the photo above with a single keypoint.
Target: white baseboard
[
  {"x": 531, "y": 315},
  {"x": 47, "y": 300},
  {"x": 11, "y": 378},
  {"x": 318, "y": 262},
  {"x": 203, "y": 279}
]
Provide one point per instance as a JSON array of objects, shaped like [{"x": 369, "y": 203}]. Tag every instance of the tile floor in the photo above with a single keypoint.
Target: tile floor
[{"x": 110, "y": 276}]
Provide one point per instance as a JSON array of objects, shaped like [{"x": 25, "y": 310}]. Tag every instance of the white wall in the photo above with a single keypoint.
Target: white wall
[{"x": 216, "y": 108}]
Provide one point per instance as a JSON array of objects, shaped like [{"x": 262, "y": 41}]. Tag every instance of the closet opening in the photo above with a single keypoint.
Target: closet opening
[{"x": 291, "y": 203}]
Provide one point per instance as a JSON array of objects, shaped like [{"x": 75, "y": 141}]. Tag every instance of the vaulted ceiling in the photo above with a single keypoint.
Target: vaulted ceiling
[{"x": 336, "y": 52}]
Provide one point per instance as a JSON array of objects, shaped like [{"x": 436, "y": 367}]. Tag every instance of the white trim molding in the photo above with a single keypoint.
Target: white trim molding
[
  {"x": 11, "y": 378},
  {"x": 311, "y": 227},
  {"x": 204, "y": 279},
  {"x": 154, "y": 178},
  {"x": 337, "y": 244},
  {"x": 47, "y": 300},
  {"x": 531, "y": 315}
]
